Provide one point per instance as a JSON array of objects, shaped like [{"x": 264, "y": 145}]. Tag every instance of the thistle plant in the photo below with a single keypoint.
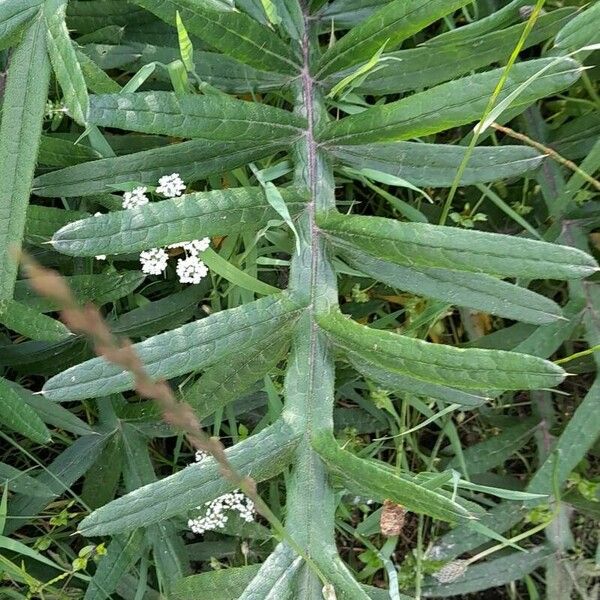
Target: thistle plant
[{"x": 340, "y": 105}]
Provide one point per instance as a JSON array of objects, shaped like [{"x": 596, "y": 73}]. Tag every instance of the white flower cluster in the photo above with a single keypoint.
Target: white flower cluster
[
  {"x": 137, "y": 197},
  {"x": 170, "y": 186},
  {"x": 154, "y": 261},
  {"x": 215, "y": 512}
]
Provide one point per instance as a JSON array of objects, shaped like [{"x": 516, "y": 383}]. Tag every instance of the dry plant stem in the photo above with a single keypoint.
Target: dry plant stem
[
  {"x": 553, "y": 154},
  {"x": 88, "y": 321}
]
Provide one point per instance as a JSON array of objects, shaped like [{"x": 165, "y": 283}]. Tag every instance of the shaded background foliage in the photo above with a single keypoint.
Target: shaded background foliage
[{"x": 60, "y": 463}]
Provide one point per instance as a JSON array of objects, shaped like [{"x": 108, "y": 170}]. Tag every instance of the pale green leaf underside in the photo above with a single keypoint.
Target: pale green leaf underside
[
  {"x": 424, "y": 245},
  {"x": 581, "y": 31},
  {"x": 261, "y": 456},
  {"x": 451, "y": 104},
  {"x": 14, "y": 14},
  {"x": 233, "y": 33},
  {"x": 188, "y": 348},
  {"x": 444, "y": 365},
  {"x": 166, "y": 222},
  {"x": 475, "y": 290},
  {"x": 193, "y": 160},
  {"x": 380, "y": 483},
  {"x": 214, "y": 118},
  {"x": 436, "y": 165},
  {"x": 391, "y": 25},
  {"x": 22, "y": 115}
]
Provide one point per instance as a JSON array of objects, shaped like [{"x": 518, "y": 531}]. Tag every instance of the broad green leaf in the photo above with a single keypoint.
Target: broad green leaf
[
  {"x": 577, "y": 137},
  {"x": 64, "y": 61},
  {"x": 188, "y": 217},
  {"x": 393, "y": 381},
  {"x": 89, "y": 16},
  {"x": 340, "y": 581},
  {"x": 225, "y": 382},
  {"x": 379, "y": 483},
  {"x": 169, "y": 553},
  {"x": 59, "y": 476},
  {"x": 233, "y": 33},
  {"x": 430, "y": 65},
  {"x": 437, "y": 363},
  {"x": 206, "y": 117},
  {"x": 121, "y": 554},
  {"x": 435, "y": 165},
  {"x": 100, "y": 288},
  {"x": 20, "y": 482},
  {"x": 100, "y": 484},
  {"x": 451, "y": 104},
  {"x": 475, "y": 290},
  {"x": 95, "y": 78},
  {"x": 188, "y": 348},
  {"x": 32, "y": 324},
  {"x": 22, "y": 116},
  {"x": 261, "y": 456},
  {"x": 276, "y": 577},
  {"x": 495, "y": 451},
  {"x": 19, "y": 416},
  {"x": 193, "y": 160},
  {"x": 424, "y": 245},
  {"x": 394, "y": 23},
  {"x": 581, "y": 31},
  {"x": 491, "y": 574},
  {"x": 14, "y": 16}
]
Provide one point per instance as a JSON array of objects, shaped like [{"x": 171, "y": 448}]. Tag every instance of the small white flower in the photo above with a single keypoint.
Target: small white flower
[
  {"x": 200, "y": 455},
  {"x": 215, "y": 516},
  {"x": 170, "y": 186},
  {"x": 191, "y": 270},
  {"x": 99, "y": 256},
  {"x": 194, "y": 247},
  {"x": 154, "y": 261},
  {"x": 137, "y": 197}
]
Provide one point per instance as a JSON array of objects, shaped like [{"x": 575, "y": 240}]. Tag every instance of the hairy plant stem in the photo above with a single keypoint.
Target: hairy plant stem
[{"x": 310, "y": 378}]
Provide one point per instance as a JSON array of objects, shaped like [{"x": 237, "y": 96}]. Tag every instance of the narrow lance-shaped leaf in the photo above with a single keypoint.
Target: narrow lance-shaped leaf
[
  {"x": 445, "y": 365},
  {"x": 233, "y": 33},
  {"x": 64, "y": 61},
  {"x": 394, "y": 381},
  {"x": 451, "y": 104},
  {"x": 261, "y": 456},
  {"x": 33, "y": 324},
  {"x": 19, "y": 416},
  {"x": 225, "y": 382},
  {"x": 207, "y": 117},
  {"x": 175, "y": 220},
  {"x": 193, "y": 160},
  {"x": 22, "y": 116},
  {"x": 14, "y": 16},
  {"x": 188, "y": 348},
  {"x": 275, "y": 579},
  {"x": 391, "y": 25},
  {"x": 424, "y": 245},
  {"x": 581, "y": 31},
  {"x": 428, "y": 65},
  {"x": 475, "y": 290},
  {"x": 436, "y": 165},
  {"x": 380, "y": 483}
]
